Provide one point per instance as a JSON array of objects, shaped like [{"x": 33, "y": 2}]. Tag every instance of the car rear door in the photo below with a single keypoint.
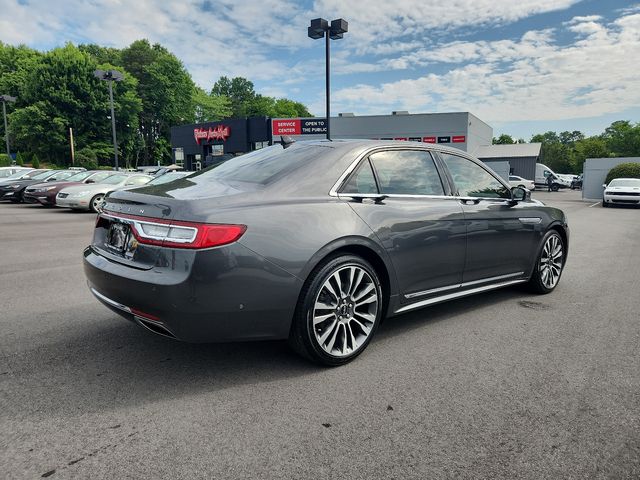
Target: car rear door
[
  {"x": 400, "y": 194},
  {"x": 500, "y": 232}
]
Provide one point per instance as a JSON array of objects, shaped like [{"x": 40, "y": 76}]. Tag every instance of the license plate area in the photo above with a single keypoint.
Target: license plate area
[{"x": 118, "y": 237}]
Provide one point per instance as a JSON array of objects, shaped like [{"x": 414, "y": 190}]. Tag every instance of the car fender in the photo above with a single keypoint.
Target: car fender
[{"x": 353, "y": 242}]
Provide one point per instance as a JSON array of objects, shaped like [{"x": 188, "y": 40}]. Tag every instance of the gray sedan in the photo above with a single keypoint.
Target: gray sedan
[
  {"x": 90, "y": 196},
  {"x": 317, "y": 242}
]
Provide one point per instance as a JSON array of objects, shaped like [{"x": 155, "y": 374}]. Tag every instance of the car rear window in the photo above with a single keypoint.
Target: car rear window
[{"x": 263, "y": 166}]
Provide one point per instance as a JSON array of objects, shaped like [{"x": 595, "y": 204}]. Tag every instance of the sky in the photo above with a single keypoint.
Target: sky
[{"x": 524, "y": 66}]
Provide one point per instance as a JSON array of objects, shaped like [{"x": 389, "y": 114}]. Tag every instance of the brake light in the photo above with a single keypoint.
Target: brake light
[{"x": 179, "y": 234}]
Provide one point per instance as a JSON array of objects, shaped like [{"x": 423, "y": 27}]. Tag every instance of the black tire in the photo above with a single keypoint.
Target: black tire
[
  {"x": 537, "y": 283},
  {"x": 19, "y": 198},
  {"x": 303, "y": 337},
  {"x": 92, "y": 204},
  {"x": 555, "y": 187},
  {"x": 604, "y": 204}
]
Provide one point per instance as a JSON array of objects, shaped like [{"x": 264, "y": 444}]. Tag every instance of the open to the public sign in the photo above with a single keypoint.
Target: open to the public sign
[{"x": 219, "y": 132}]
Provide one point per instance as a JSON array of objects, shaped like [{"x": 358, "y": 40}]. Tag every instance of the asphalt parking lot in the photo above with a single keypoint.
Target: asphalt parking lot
[{"x": 504, "y": 385}]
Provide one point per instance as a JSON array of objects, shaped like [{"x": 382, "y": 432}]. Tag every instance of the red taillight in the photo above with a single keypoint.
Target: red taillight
[{"x": 179, "y": 234}]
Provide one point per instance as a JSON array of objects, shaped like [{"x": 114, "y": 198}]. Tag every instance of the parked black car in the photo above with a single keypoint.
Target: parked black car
[
  {"x": 317, "y": 243},
  {"x": 576, "y": 183}
]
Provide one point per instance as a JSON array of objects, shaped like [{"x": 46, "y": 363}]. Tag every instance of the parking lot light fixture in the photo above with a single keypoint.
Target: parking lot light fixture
[
  {"x": 111, "y": 76},
  {"x": 6, "y": 99},
  {"x": 318, "y": 28}
]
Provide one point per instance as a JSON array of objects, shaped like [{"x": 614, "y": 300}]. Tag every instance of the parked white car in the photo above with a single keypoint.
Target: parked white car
[
  {"x": 621, "y": 191},
  {"x": 6, "y": 172},
  {"x": 90, "y": 196},
  {"x": 516, "y": 181}
]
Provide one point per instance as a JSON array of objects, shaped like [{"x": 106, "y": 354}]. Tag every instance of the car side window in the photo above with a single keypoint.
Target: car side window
[
  {"x": 472, "y": 180},
  {"x": 407, "y": 172},
  {"x": 137, "y": 181},
  {"x": 362, "y": 181}
]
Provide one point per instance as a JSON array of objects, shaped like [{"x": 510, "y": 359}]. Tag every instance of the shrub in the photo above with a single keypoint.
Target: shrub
[
  {"x": 5, "y": 160},
  {"x": 86, "y": 157},
  {"x": 35, "y": 161},
  {"x": 624, "y": 170},
  {"x": 19, "y": 159}
]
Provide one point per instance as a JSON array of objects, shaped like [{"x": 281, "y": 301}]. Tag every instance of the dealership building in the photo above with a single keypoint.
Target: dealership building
[{"x": 195, "y": 145}]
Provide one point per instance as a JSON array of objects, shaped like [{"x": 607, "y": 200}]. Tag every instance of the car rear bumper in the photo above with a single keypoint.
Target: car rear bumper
[{"x": 221, "y": 294}]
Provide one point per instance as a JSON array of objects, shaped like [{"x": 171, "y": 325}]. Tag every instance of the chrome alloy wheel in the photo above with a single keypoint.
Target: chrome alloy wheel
[
  {"x": 345, "y": 310},
  {"x": 551, "y": 259},
  {"x": 96, "y": 203}
]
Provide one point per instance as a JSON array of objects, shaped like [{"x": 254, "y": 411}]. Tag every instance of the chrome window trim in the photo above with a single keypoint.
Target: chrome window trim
[
  {"x": 368, "y": 151},
  {"x": 463, "y": 285},
  {"x": 334, "y": 192}
]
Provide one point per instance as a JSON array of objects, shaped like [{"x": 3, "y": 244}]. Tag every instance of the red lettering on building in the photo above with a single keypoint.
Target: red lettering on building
[
  {"x": 458, "y": 139},
  {"x": 429, "y": 139},
  {"x": 219, "y": 132}
]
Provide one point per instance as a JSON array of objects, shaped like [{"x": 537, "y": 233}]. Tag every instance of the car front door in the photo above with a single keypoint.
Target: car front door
[
  {"x": 411, "y": 211},
  {"x": 500, "y": 232}
]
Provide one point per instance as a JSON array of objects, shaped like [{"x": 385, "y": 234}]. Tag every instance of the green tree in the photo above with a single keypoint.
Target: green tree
[
  {"x": 35, "y": 161},
  {"x": 167, "y": 93},
  {"x": 240, "y": 93},
  {"x": 623, "y": 138},
  {"x": 62, "y": 92},
  {"x": 503, "y": 139},
  {"x": 209, "y": 107},
  {"x": 19, "y": 159}
]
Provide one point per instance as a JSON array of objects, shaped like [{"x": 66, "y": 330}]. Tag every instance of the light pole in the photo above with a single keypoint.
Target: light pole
[
  {"x": 111, "y": 76},
  {"x": 6, "y": 99},
  {"x": 321, "y": 28}
]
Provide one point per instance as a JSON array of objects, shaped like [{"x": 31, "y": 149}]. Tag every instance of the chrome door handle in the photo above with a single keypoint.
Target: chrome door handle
[{"x": 469, "y": 200}]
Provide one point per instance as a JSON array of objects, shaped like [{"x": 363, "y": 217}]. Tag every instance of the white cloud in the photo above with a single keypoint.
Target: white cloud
[{"x": 592, "y": 76}]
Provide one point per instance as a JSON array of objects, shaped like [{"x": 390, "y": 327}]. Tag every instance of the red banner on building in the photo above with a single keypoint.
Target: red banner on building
[
  {"x": 429, "y": 139},
  {"x": 286, "y": 127},
  {"x": 458, "y": 139}
]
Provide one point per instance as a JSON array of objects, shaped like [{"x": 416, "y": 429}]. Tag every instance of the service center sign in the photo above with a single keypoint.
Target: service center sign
[{"x": 299, "y": 126}]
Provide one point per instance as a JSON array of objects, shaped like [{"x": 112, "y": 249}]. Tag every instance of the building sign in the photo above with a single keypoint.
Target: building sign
[
  {"x": 299, "y": 126},
  {"x": 415, "y": 139},
  {"x": 286, "y": 127},
  {"x": 429, "y": 139},
  {"x": 458, "y": 139},
  {"x": 219, "y": 132},
  {"x": 404, "y": 139},
  {"x": 444, "y": 139},
  {"x": 313, "y": 127}
]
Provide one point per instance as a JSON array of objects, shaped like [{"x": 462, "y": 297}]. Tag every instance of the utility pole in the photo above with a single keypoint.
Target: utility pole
[{"x": 6, "y": 99}]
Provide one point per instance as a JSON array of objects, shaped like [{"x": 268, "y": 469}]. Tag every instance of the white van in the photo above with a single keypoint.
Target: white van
[{"x": 542, "y": 172}]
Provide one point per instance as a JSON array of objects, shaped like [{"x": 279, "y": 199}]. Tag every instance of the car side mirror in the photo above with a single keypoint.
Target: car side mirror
[
  {"x": 519, "y": 194},
  {"x": 90, "y": 181},
  {"x": 604, "y": 185}
]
